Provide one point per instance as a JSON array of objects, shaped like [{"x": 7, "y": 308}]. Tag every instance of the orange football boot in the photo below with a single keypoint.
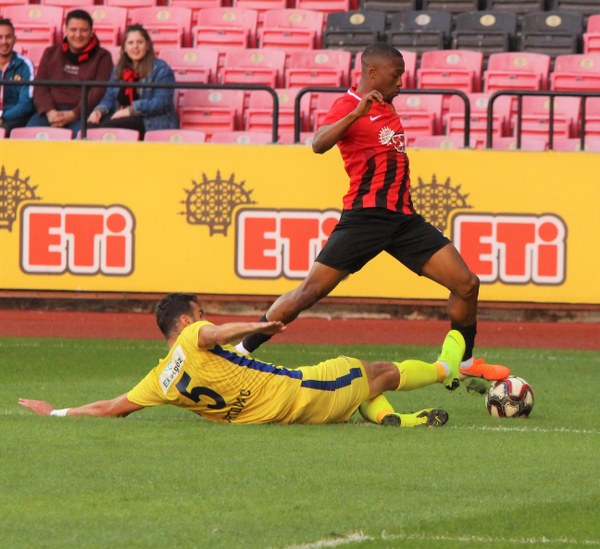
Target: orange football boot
[{"x": 479, "y": 368}]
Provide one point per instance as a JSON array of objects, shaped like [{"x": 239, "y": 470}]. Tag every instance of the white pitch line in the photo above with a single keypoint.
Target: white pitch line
[
  {"x": 359, "y": 537},
  {"x": 527, "y": 429}
]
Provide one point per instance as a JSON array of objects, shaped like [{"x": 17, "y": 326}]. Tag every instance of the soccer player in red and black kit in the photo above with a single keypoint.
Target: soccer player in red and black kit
[{"x": 378, "y": 213}]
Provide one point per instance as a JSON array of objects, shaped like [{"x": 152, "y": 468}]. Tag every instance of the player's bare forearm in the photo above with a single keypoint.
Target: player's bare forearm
[
  {"x": 116, "y": 407},
  {"x": 234, "y": 331}
]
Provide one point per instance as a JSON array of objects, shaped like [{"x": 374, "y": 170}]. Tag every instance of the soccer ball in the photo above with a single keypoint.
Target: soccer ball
[{"x": 511, "y": 397}]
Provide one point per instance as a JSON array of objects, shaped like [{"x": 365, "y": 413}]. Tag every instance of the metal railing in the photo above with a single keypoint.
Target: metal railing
[
  {"x": 546, "y": 93},
  {"x": 86, "y": 85},
  {"x": 315, "y": 89}
]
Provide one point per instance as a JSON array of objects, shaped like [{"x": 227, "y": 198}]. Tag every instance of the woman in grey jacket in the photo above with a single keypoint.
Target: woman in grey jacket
[{"x": 136, "y": 108}]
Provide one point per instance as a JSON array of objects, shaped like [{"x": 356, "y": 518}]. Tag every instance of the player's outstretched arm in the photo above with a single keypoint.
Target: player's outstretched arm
[
  {"x": 212, "y": 334},
  {"x": 116, "y": 407}
]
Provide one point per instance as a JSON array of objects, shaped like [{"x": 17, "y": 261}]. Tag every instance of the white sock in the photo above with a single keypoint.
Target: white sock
[
  {"x": 467, "y": 363},
  {"x": 241, "y": 349}
]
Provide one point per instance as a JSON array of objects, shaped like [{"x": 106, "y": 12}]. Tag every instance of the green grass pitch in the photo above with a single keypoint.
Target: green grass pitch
[{"x": 165, "y": 478}]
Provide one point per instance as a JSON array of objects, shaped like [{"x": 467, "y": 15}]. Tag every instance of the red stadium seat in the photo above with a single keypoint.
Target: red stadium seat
[
  {"x": 451, "y": 69},
  {"x": 318, "y": 68},
  {"x": 517, "y": 71},
  {"x": 69, "y": 4},
  {"x": 115, "y": 53},
  {"x": 130, "y": 4},
  {"x": 34, "y": 53},
  {"x": 36, "y": 24},
  {"x": 2, "y": 133},
  {"x": 292, "y": 29},
  {"x": 322, "y": 103},
  {"x": 261, "y": 7},
  {"x": 592, "y": 117},
  {"x": 326, "y": 6},
  {"x": 195, "y": 5},
  {"x": 438, "y": 142},
  {"x": 111, "y": 134},
  {"x": 242, "y": 138},
  {"x": 175, "y": 136},
  {"x": 577, "y": 72},
  {"x": 197, "y": 64},
  {"x": 536, "y": 117},
  {"x": 211, "y": 110},
  {"x": 42, "y": 133},
  {"x": 259, "y": 113},
  {"x": 591, "y": 38},
  {"x": 410, "y": 69},
  {"x": 109, "y": 23},
  {"x": 531, "y": 144},
  {"x": 167, "y": 26},
  {"x": 254, "y": 66},
  {"x": 455, "y": 119},
  {"x": 226, "y": 27},
  {"x": 419, "y": 114}
]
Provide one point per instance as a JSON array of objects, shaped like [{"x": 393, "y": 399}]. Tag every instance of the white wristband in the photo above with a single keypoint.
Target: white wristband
[{"x": 59, "y": 413}]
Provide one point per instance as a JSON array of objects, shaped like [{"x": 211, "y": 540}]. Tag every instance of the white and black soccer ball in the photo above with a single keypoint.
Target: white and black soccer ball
[{"x": 511, "y": 397}]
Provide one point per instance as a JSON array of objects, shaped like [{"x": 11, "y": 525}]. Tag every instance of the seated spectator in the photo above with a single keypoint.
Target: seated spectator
[
  {"x": 16, "y": 102},
  {"x": 79, "y": 57},
  {"x": 136, "y": 108}
]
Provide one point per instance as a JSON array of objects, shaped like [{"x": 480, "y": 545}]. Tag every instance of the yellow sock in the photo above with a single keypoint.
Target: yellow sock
[
  {"x": 416, "y": 373},
  {"x": 376, "y": 409}
]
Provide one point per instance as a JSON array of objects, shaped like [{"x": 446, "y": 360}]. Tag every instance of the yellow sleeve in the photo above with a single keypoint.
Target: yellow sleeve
[{"x": 147, "y": 392}]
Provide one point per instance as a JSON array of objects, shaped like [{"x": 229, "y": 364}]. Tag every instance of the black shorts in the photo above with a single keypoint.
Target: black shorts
[{"x": 360, "y": 235}]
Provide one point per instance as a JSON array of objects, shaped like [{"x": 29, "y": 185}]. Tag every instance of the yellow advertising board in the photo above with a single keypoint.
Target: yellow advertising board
[{"x": 159, "y": 217}]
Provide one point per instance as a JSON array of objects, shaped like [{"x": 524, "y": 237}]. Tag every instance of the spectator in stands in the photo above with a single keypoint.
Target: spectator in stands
[
  {"x": 79, "y": 57},
  {"x": 16, "y": 102},
  {"x": 136, "y": 108}
]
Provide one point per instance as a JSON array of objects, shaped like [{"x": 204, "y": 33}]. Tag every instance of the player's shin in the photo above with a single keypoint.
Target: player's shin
[
  {"x": 416, "y": 373},
  {"x": 376, "y": 409}
]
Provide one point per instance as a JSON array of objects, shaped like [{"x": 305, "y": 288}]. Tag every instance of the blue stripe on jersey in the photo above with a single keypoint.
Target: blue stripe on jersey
[
  {"x": 335, "y": 384},
  {"x": 252, "y": 364}
]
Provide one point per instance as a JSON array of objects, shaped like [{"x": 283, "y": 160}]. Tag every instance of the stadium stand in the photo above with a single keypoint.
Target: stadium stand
[
  {"x": 254, "y": 66},
  {"x": 35, "y": 24},
  {"x": 242, "y": 138},
  {"x": 34, "y": 53},
  {"x": 551, "y": 32},
  {"x": 527, "y": 144},
  {"x": 111, "y": 134},
  {"x": 195, "y": 6},
  {"x": 486, "y": 31},
  {"x": 584, "y": 7},
  {"x": 389, "y": 7},
  {"x": 420, "y": 114},
  {"x": 261, "y": 7},
  {"x": 517, "y": 71},
  {"x": 318, "y": 68},
  {"x": 69, "y": 4},
  {"x": 518, "y": 7},
  {"x": 455, "y": 119},
  {"x": 535, "y": 122},
  {"x": 109, "y": 23},
  {"x": 211, "y": 110},
  {"x": 420, "y": 31},
  {"x": 259, "y": 113},
  {"x": 438, "y": 142},
  {"x": 578, "y": 72},
  {"x": 175, "y": 136},
  {"x": 192, "y": 64},
  {"x": 591, "y": 38},
  {"x": 326, "y": 6},
  {"x": 2, "y": 133},
  {"x": 454, "y": 7},
  {"x": 321, "y": 102},
  {"x": 451, "y": 69},
  {"x": 42, "y": 133},
  {"x": 292, "y": 29},
  {"x": 354, "y": 30},
  {"x": 131, "y": 4},
  {"x": 225, "y": 27},
  {"x": 167, "y": 26}
]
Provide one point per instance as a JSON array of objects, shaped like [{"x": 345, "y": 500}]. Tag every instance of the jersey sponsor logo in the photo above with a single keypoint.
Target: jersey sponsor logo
[
  {"x": 373, "y": 118},
  {"x": 275, "y": 243},
  {"x": 391, "y": 139},
  {"x": 514, "y": 249},
  {"x": 83, "y": 240},
  {"x": 172, "y": 369}
]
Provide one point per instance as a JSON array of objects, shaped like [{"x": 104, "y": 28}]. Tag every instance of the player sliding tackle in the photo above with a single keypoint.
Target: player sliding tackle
[{"x": 206, "y": 375}]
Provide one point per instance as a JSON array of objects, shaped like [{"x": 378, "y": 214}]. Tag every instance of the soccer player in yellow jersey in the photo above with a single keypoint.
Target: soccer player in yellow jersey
[{"x": 206, "y": 375}]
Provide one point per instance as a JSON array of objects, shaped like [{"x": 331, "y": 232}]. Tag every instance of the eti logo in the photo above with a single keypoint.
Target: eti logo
[
  {"x": 514, "y": 249},
  {"x": 83, "y": 240},
  {"x": 274, "y": 243}
]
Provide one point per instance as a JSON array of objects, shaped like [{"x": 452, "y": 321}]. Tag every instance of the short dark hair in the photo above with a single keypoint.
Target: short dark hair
[
  {"x": 378, "y": 50},
  {"x": 79, "y": 14},
  {"x": 170, "y": 308},
  {"x": 6, "y": 23}
]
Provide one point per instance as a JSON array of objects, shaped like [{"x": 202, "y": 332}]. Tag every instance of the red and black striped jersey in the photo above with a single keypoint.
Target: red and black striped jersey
[{"x": 374, "y": 153}]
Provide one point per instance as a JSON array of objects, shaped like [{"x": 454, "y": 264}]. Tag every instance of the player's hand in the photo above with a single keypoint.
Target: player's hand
[
  {"x": 38, "y": 406},
  {"x": 271, "y": 327},
  {"x": 365, "y": 103}
]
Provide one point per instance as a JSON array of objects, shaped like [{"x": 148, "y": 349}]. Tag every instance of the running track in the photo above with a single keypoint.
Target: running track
[{"x": 557, "y": 335}]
